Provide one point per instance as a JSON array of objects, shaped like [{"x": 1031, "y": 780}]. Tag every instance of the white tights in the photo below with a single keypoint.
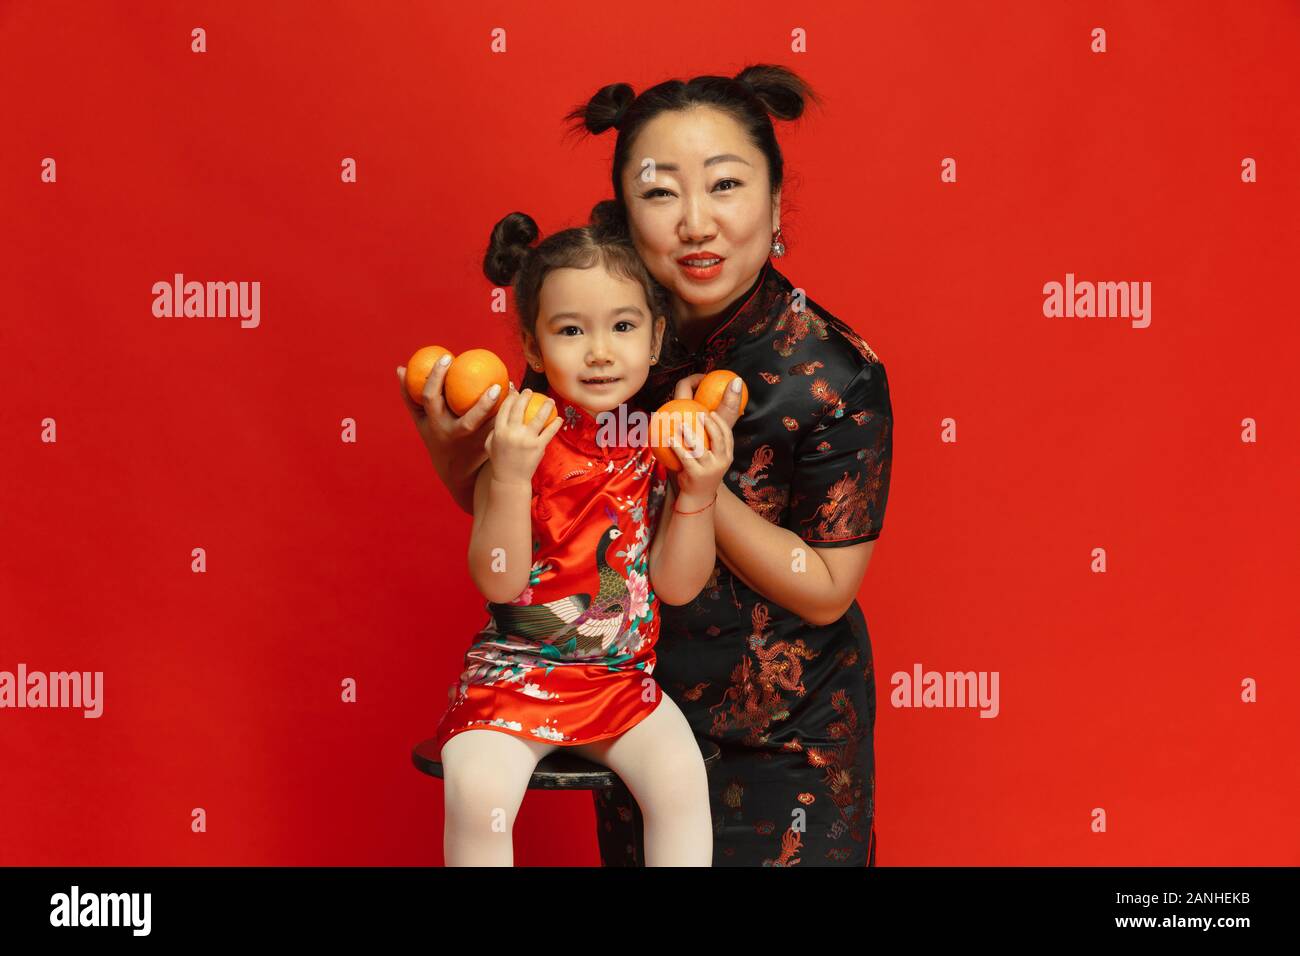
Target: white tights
[{"x": 486, "y": 773}]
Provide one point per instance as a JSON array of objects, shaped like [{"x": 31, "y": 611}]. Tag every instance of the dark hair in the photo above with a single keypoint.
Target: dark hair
[
  {"x": 751, "y": 97},
  {"x": 512, "y": 259}
]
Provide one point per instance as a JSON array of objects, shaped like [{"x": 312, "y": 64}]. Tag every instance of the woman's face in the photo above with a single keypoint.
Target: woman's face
[{"x": 707, "y": 190}]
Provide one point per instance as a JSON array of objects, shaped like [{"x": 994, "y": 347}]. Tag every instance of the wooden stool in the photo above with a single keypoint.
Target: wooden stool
[{"x": 561, "y": 769}]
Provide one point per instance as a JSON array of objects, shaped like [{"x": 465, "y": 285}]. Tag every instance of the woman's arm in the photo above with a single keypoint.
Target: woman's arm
[
  {"x": 456, "y": 444},
  {"x": 815, "y": 583},
  {"x": 500, "y": 544},
  {"x": 460, "y": 478},
  {"x": 819, "y": 584}
]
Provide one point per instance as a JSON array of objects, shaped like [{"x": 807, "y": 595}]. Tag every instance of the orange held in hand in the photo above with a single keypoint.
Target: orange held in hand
[
  {"x": 678, "y": 419},
  {"x": 471, "y": 374},
  {"x": 713, "y": 387},
  {"x": 535, "y": 402},
  {"x": 419, "y": 367}
]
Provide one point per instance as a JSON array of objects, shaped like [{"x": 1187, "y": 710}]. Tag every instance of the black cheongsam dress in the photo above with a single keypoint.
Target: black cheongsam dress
[{"x": 791, "y": 705}]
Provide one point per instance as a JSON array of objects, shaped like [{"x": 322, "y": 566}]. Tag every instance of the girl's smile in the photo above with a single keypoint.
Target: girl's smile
[{"x": 595, "y": 335}]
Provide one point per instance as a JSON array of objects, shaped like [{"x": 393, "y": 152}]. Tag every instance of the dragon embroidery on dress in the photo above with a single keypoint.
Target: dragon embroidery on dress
[
  {"x": 694, "y": 692},
  {"x": 767, "y": 502},
  {"x": 794, "y": 327},
  {"x": 845, "y": 513},
  {"x": 806, "y": 368},
  {"x": 839, "y": 762},
  {"x": 859, "y": 343},
  {"x": 754, "y": 698},
  {"x": 770, "y": 377},
  {"x": 760, "y": 326}
]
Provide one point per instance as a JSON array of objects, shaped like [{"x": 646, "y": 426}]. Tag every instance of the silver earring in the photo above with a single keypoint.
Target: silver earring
[{"x": 778, "y": 247}]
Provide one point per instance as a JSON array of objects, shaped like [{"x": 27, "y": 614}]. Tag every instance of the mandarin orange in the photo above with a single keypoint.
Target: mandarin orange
[
  {"x": 713, "y": 387},
  {"x": 678, "y": 419},
  {"x": 419, "y": 367},
  {"x": 535, "y": 402},
  {"x": 472, "y": 373}
]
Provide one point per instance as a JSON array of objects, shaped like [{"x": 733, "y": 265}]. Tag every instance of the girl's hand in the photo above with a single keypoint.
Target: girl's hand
[
  {"x": 516, "y": 446},
  {"x": 702, "y": 472},
  {"x": 456, "y": 444}
]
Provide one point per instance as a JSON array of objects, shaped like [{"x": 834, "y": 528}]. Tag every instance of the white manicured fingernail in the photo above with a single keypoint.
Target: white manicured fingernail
[
  {"x": 494, "y": 391},
  {"x": 444, "y": 360},
  {"x": 736, "y": 383}
]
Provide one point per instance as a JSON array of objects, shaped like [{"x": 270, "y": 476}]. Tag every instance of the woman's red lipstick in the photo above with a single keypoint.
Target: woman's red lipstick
[{"x": 701, "y": 265}]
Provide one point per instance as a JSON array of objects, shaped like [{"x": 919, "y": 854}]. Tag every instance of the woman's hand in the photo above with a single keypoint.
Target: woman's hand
[
  {"x": 456, "y": 444},
  {"x": 516, "y": 446},
  {"x": 702, "y": 469},
  {"x": 728, "y": 411}
]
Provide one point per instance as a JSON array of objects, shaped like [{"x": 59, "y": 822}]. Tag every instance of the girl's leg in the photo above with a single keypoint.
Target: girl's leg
[
  {"x": 660, "y": 762},
  {"x": 485, "y": 775}
]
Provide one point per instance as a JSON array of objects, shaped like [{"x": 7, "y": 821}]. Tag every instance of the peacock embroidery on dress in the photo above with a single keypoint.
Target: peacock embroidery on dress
[{"x": 569, "y": 660}]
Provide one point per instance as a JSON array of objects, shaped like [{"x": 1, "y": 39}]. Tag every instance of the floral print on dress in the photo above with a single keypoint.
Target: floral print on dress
[{"x": 568, "y": 660}]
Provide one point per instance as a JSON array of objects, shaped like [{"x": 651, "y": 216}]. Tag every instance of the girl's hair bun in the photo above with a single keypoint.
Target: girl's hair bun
[
  {"x": 509, "y": 247},
  {"x": 780, "y": 92},
  {"x": 606, "y": 109}
]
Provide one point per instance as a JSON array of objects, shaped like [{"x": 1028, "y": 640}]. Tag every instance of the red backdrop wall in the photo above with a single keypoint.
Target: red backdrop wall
[{"x": 328, "y": 560}]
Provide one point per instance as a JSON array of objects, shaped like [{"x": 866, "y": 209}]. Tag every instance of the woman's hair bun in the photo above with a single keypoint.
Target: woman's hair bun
[
  {"x": 608, "y": 220},
  {"x": 780, "y": 91},
  {"x": 508, "y": 248},
  {"x": 607, "y": 108}
]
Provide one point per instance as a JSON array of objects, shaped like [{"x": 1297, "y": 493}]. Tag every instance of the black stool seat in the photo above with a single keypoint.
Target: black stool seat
[{"x": 561, "y": 769}]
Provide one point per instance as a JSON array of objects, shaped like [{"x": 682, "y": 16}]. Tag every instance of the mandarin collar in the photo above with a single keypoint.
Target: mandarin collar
[
  {"x": 720, "y": 324},
  {"x": 581, "y": 431}
]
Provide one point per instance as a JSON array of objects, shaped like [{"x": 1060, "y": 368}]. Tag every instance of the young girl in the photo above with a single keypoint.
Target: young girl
[{"x": 576, "y": 537}]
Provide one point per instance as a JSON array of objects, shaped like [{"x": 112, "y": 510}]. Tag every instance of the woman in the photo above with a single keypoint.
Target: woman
[{"x": 772, "y": 661}]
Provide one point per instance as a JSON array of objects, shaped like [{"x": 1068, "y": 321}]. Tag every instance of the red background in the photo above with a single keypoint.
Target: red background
[{"x": 329, "y": 560}]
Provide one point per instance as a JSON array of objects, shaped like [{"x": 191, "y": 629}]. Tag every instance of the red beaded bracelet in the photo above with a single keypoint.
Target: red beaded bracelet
[{"x": 697, "y": 510}]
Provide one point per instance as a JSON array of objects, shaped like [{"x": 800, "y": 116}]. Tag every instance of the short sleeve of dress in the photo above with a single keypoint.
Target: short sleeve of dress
[{"x": 841, "y": 471}]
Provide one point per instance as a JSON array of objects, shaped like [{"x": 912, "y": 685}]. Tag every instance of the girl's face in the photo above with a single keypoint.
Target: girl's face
[
  {"x": 710, "y": 193},
  {"x": 591, "y": 324}
]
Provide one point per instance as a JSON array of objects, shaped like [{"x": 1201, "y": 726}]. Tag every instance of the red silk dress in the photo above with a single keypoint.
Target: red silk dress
[{"x": 569, "y": 660}]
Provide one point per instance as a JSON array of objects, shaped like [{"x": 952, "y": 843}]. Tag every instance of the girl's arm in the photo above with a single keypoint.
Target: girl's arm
[
  {"x": 682, "y": 553},
  {"x": 685, "y": 539},
  {"x": 500, "y": 544}
]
